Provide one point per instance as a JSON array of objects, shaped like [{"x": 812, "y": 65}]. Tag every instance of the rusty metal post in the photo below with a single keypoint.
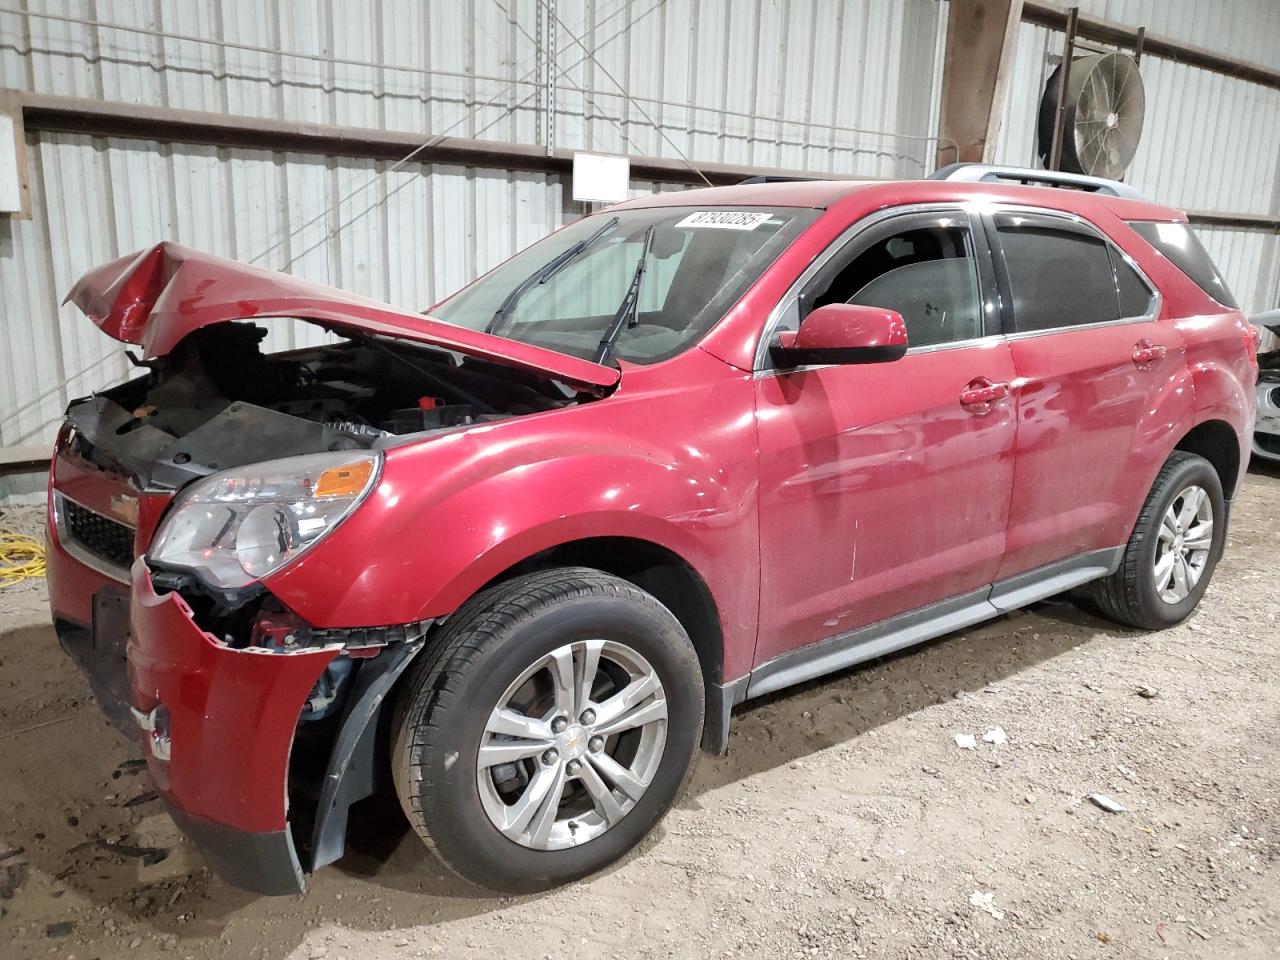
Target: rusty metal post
[{"x": 1060, "y": 111}]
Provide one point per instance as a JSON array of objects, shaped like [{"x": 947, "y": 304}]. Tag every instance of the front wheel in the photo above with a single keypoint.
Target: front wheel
[
  {"x": 549, "y": 727},
  {"x": 1173, "y": 550}
]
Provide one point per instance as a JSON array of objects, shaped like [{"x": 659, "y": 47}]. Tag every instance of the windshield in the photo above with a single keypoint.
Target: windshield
[{"x": 565, "y": 292}]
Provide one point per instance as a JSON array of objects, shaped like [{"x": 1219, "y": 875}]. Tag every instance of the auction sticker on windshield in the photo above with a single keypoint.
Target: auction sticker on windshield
[{"x": 724, "y": 219}]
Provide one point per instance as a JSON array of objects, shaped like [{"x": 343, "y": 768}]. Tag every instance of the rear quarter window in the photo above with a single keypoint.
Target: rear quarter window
[
  {"x": 1135, "y": 296},
  {"x": 1177, "y": 242}
]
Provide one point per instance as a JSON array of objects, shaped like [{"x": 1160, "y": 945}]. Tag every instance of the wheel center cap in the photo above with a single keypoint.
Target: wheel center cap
[
  {"x": 1113, "y": 121},
  {"x": 573, "y": 742}
]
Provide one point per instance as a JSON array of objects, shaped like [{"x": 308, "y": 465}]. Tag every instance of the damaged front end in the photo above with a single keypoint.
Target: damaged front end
[
  {"x": 212, "y": 399},
  {"x": 218, "y": 402},
  {"x": 174, "y": 498},
  {"x": 259, "y": 746}
]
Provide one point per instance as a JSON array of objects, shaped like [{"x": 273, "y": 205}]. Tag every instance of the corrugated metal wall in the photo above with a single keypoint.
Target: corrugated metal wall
[
  {"x": 1244, "y": 29},
  {"x": 1209, "y": 142},
  {"x": 724, "y": 80}
]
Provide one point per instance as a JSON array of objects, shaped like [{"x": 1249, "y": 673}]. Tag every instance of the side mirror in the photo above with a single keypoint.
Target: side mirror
[{"x": 843, "y": 333}]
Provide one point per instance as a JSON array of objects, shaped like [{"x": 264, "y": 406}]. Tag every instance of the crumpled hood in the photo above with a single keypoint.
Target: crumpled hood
[{"x": 156, "y": 297}]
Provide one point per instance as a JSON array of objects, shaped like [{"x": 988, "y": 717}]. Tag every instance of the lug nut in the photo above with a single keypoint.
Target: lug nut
[
  {"x": 595, "y": 744},
  {"x": 558, "y": 725},
  {"x": 572, "y": 768},
  {"x": 588, "y": 716},
  {"x": 550, "y": 756}
]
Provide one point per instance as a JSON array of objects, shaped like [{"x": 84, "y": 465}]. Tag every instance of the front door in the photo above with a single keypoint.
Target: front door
[{"x": 885, "y": 487}]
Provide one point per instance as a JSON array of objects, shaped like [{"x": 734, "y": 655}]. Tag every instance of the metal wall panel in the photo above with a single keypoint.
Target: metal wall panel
[
  {"x": 769, "y": 81},
  {"x": 1244, "y": 29},
  {"x": 779, "y": 85}
]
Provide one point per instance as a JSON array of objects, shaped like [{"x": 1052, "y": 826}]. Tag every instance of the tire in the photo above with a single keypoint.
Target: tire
[
  {"x": 1131, "y": 595},
  {"x": 477, "y": 662}
]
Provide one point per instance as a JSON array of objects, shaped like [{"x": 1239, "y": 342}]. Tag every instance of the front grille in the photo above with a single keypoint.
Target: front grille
[{"x": 101, "y": 536}]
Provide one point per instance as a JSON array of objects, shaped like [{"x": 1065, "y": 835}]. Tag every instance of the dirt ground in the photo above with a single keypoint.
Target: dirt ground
[{"x": 844, "y": 822}]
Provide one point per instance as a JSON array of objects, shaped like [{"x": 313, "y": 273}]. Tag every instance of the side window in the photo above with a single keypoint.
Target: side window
[
  {"x": 1135, "y": 295},
  {"x": 926, "y": 273},
  {"x": 1060, "y": 276}
]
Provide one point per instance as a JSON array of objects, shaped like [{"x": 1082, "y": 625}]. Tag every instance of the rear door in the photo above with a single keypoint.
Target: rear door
[
  {"x": 1092, "y": 357},
  {"x": 885, "y": 487}
]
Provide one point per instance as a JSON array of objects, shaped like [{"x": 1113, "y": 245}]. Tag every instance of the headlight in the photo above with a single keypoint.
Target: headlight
[{"x": 236, "y": 527}]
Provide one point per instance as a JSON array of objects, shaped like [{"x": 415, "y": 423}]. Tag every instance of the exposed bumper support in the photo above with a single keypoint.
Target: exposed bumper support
[{"x": 351, "y": 773}]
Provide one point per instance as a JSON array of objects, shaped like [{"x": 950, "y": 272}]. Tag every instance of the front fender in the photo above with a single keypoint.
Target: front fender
[{"x": 676, "y": 469}]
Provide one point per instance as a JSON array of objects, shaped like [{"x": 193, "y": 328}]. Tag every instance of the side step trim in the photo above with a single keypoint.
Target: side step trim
[
  {"x": 1014, "y": 592},
  {"x": 927, "y": 623},
  {"x": 867, "y": 643}
]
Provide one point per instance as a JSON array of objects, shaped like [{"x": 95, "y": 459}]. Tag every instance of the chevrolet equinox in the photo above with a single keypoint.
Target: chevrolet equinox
[{"x": 519, "y": 557}]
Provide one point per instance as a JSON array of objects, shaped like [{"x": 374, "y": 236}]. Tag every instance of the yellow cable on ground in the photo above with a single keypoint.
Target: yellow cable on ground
[{"x": 21, "y": 558}]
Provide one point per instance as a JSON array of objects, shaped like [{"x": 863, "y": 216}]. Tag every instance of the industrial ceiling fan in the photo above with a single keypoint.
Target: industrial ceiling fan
[{"x": 1103, "y": 111}]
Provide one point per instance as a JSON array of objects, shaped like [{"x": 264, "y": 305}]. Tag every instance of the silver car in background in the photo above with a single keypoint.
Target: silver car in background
[{"x": 1266, "y": 435}]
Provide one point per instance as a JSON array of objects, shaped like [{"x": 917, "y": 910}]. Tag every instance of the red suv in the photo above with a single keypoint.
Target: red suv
[{"x": 521, "y": 557}]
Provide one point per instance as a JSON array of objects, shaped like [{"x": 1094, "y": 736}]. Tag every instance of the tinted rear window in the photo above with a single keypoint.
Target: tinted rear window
[{"x": 1179, "y": 244}]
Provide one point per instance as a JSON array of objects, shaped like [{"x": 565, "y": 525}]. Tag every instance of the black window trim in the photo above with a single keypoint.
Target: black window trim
[
  {"x": 988, "y": 289},
  {"x": 1078, "y": 225}
]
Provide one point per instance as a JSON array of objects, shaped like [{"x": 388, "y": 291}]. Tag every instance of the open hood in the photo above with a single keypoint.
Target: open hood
[{"x": 157, "y": 297}]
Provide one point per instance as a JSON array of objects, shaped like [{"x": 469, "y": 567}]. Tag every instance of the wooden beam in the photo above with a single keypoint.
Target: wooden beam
[
  {"x": 1238, "y": 221},
  {"x": 981, "y": 39},
  {"x": 26, "y": 454},
  {"x": 133, "y": 121},
  {"x": 136, "y": 121}
]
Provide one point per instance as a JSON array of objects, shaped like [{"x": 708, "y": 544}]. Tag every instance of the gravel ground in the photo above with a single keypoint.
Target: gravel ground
[{"x": 845, "y": 821}]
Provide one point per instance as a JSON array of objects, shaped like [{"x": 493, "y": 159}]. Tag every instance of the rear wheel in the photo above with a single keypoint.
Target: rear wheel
[
  {"x": 548, "y": 729},
  {"x": 1173, "y": 550}
]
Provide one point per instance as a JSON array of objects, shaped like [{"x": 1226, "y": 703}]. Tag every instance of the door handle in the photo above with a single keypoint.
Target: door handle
[
  {"x": 1146, "y": 353},
  {"x": 981, "y": 394}
]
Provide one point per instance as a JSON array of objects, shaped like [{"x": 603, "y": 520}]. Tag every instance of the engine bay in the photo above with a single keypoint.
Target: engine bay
[{"x": 218, "y": 401}]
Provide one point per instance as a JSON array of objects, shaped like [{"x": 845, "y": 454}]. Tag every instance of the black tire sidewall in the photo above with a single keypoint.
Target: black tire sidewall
[
  {"x": 1191, "y": 472},
  {"x": 451, "y": 809}
]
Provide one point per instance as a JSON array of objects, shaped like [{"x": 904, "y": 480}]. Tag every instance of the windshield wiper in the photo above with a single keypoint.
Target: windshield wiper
[
  {"x": 545, "y": 273},
  {"x": 628, "y": 311}
]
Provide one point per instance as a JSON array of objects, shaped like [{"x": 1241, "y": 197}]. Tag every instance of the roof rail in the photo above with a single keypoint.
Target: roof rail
[
  {"x": 990, "y": 173},
  {"x": 770, "y": 178}
]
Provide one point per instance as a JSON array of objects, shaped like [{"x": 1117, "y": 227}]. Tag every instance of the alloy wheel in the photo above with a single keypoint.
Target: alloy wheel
[
  {"x": 1183, "y": 544},
  {"x": 572, "y": 745}
]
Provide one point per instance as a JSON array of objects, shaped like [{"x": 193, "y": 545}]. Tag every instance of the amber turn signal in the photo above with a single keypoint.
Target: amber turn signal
[{"x": 344, "y": 481}]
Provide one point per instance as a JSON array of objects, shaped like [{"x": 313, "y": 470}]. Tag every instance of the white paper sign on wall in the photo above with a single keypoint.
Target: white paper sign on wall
[
  {"x": 10, "y": 183},
  {"x": 600, "y": 178}
]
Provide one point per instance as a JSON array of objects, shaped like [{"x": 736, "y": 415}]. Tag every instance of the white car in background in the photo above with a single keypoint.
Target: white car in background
[{"x": 1266, "y": 435}]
